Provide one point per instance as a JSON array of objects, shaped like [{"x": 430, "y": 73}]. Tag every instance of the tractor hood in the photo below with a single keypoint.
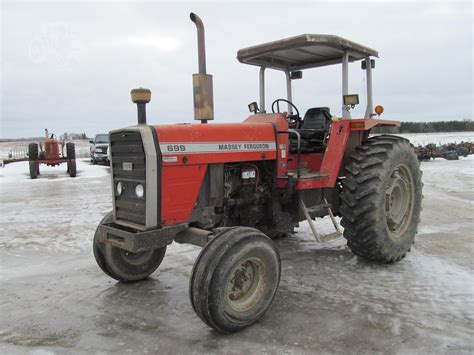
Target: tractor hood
[{"x": 189, "y": 144}]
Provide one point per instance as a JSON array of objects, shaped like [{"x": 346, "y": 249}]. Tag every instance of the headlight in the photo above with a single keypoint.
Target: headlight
[
  {"x": 119, "y": 188},
  {"x": 139, "y": 191}
]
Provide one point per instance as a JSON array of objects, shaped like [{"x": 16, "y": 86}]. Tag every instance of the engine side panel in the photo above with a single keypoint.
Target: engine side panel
[
  {"x": 188, "y": 149},
  {"x": 180, "y": 188}
]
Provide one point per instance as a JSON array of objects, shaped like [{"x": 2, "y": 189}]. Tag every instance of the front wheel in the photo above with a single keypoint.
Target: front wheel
[
  {"x": 123, "y": 265},
  {"x": 381, "y": 199},
  {"x": 234, "y": 279}
]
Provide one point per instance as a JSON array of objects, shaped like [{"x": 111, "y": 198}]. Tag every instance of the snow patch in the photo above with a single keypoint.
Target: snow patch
[{"x": 19, "y": 172}]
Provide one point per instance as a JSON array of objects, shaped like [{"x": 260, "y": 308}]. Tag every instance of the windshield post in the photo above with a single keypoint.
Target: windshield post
[
  {"x": 345, "y": 83},
  {"x": 368, "y": 66},
  {"x": 262, "y": 89},
  {"x": 289, "y": 95}
]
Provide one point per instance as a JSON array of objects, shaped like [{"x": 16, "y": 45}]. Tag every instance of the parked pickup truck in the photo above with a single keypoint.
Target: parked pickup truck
[{"x": 99, "y": 148}]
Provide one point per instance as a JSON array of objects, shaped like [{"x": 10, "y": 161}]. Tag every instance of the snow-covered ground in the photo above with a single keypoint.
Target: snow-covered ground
[
  {"x": 53, "y": 199},
  {"x": 55, "y": 298}
]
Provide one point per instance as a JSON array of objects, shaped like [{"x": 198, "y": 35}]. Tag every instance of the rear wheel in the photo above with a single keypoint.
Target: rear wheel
[
  {"x": 32, "y": 151},
  {"x": 33, "y": 159},
  {"x": 33, "y": 169},
  {"x": 123, "y": 265},
  {"x": 71, "y": 167},
  {"x": 71, "y": 150},
  {"x": 234, "y": 279},
  {"x": 381, "y": 199}
]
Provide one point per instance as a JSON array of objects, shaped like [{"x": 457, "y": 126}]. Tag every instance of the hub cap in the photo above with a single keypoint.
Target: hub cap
[
  {"x": 246, "y": 284},
  {"x": 136, "y": 258},
  {"x": 399, "y": 199}
]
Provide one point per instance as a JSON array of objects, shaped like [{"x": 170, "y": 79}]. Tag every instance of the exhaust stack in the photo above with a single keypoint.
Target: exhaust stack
[{"x": 202, "y": 82}]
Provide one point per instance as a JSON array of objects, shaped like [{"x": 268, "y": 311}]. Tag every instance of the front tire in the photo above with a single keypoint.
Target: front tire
[
  {"x": 381, "y": 199},
  {"x": 234, "y": 279},
  {"x": 123, "y": 265}
]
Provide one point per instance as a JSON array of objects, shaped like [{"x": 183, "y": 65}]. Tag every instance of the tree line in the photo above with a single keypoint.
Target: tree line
[{"x": 428, "y": 127}]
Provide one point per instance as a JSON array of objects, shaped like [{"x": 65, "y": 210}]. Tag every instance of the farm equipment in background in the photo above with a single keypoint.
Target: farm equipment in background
[
  {"x": 449, "y": 151},
  {"x": 427, "y": 152},
  {"x": 51, "y": 153},
  {"x": 233, "y": 187}
]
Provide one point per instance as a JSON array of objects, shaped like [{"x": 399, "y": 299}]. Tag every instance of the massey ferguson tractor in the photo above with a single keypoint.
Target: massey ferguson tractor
[
  {"x": 232, "y": 188},
  {"x": 51, "y": 153}
]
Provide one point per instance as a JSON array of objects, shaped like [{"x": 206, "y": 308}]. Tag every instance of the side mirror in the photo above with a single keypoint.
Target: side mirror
[
  {"x": 91, "y": 141},
  {"x": 253, "y": 107}
]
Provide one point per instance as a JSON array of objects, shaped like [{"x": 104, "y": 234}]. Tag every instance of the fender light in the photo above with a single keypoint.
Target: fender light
[
  {"x": 378, "y": 110},
  {"x": 358, "y": 124}
]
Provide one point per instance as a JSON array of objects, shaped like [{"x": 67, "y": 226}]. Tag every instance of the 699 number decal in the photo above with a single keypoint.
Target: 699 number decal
[{"x": 176, "y": 148}]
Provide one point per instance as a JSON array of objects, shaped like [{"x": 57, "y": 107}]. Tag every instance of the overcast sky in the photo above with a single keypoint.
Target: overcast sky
[{"x": 70, "y": 66}]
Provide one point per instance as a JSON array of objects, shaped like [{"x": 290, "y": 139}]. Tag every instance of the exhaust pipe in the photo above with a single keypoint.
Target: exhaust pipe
[
  {"x": 202, "y": 82},
  {"x": 201, "y": 42}
]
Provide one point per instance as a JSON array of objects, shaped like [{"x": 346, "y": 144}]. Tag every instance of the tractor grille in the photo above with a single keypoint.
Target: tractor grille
[{"x": 128, "y": 164}]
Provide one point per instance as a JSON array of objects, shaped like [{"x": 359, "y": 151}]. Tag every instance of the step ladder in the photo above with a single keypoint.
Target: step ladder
[{"x": 322, "y": 238}]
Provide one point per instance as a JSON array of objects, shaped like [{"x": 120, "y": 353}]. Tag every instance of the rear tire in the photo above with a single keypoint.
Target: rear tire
[
  {"x": 381, "y": 199},
  {"x": 71, "y": 167},
  {"x": 33, "y": 151},
  {"x": 121, "y": 264},
  {"x": 234, "y": 279},
  {"x": 71, "y": 150},
  {"x": 33, "y": 169}
]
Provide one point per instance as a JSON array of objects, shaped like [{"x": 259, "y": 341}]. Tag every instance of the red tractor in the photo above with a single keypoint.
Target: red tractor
[
  {"x": 51, "y": 153},
  {"x": 231, "y": 188}
]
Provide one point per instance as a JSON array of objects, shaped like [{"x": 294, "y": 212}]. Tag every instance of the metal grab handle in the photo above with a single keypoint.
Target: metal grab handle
[{"x": 298, "y": 156}]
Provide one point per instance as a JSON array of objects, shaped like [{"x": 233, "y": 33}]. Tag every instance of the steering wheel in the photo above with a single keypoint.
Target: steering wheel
[{"x": 293, "y": 119}]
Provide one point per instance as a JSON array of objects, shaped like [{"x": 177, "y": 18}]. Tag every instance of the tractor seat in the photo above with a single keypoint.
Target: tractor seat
[
  {"x": 313, "y": 130},
  {"x": 315, "y": 124}
]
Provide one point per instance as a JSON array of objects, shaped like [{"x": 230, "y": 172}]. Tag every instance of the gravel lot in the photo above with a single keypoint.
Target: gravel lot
[{"x": 54, "y": 298}]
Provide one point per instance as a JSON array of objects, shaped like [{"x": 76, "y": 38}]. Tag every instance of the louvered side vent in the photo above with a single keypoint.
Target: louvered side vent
[{"x": 128, "y": 164}]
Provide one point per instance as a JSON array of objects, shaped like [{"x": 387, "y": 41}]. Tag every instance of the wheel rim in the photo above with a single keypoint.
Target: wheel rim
[
  {"x": 136, "y": 258},
  {"x": 399, "y": 200},
  {"x": 246, "y": 284}
]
